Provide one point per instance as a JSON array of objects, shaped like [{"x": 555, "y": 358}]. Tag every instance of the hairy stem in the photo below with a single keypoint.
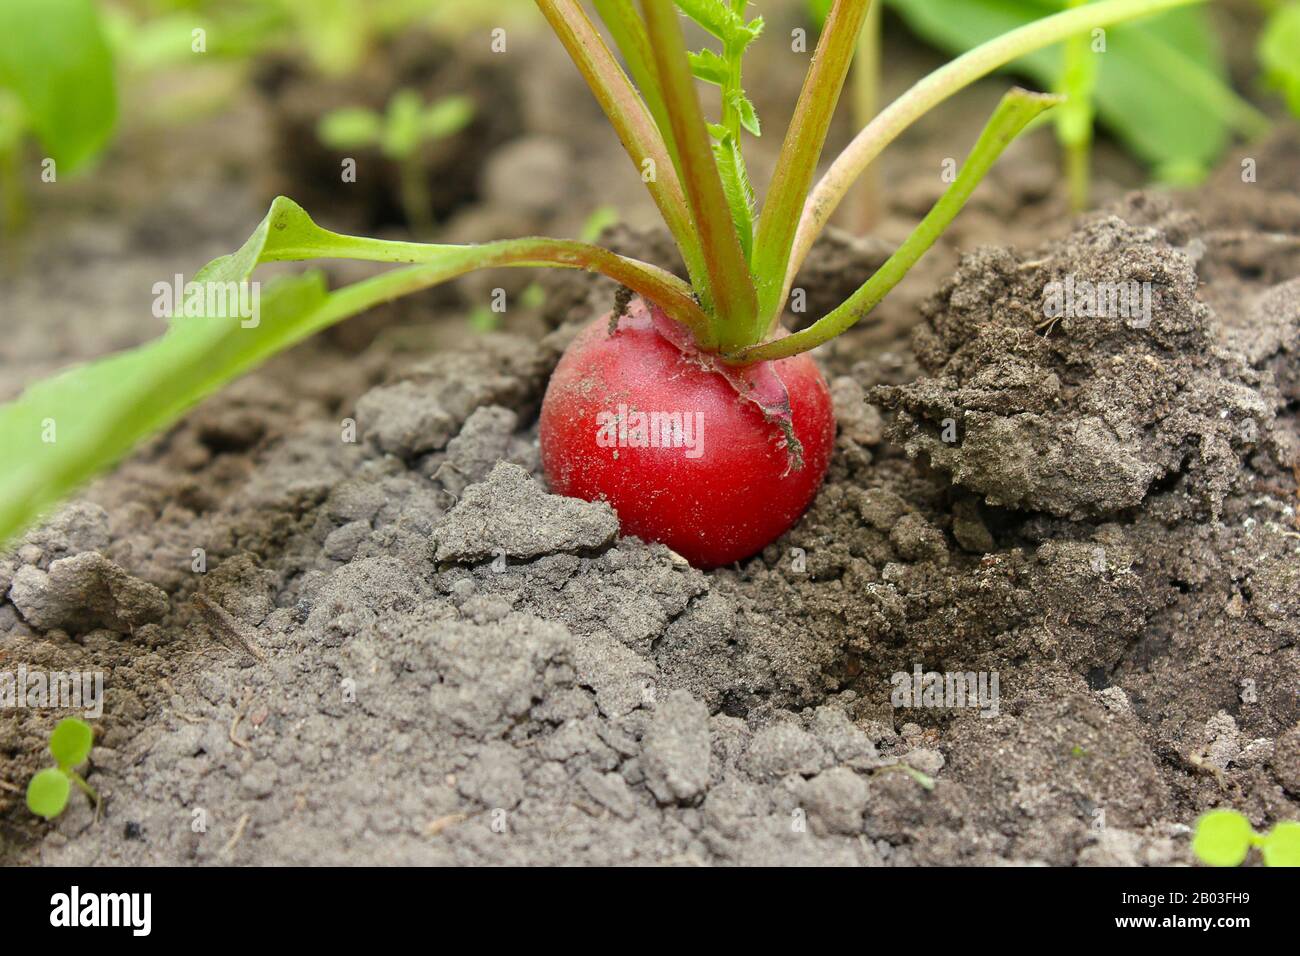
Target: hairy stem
[
  {"x": 1014, "y": 112},
  {"x": 937, "y": 87}
]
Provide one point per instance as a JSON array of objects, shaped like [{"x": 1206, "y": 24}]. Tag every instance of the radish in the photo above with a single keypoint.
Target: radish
[
  {"x": 671, "y": 443},
  {"x": 753, "y": 430}
]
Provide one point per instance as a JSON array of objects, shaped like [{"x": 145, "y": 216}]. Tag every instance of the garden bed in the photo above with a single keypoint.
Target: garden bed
[{"x": 423, "y": 657}]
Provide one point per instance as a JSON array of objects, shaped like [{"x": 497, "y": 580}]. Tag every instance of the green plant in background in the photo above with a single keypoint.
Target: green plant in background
[
  {"x": 400, "y": 133},
  {"x": 1160, "y": 85},
  {"x": 48, "y": 791},
  {"x": 56, "y": 85},
  {"x": 1075, "y": 118},
  {"x": 1279, "y": 52},
  {"x": 731, "y": 306},
  {"x": 1224, "y": 838}
]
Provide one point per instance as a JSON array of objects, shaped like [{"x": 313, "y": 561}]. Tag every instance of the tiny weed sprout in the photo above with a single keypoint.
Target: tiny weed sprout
[
  {"x": 1224, "y": 838},
  {"x": 689, "y": 408},
  {"x": 48, "y": 791},
  {"x": 400, "y": 134}
]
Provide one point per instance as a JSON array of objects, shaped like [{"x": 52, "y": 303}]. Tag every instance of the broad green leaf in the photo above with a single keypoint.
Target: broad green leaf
[
  {"x": 70, "y": 742},
  {"x": 1223, "y": 838},
  {"x": 1282, "y": 845},
  {"x": 55, "y": 56},
  {"x": 446, "y": 117},
  {"x": 1279, "y": 53},
  {"x": 47, "y": 792},
  {"x": 350, "y": 128},
  {"x": 1161, "y": 86},
  {"x": 736, "y": 187}
]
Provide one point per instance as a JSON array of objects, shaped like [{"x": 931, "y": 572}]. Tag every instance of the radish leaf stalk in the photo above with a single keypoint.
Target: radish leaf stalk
[
  {"x": 800, "y": 151},
  {"x": 1015, "y": 111},
  {"x": 636, "y": 129},
  {"x": 1074, "y": 120},
  {"x": 734, "y": 302},
  {"x": 938, "y": 86}
]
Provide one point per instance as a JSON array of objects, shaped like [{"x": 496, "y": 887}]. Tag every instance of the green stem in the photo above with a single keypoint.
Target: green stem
[
  {"x": 800, "y": 150},
  {"x": 13, "y": 203},
  {"x": 415, "y": 194},
  {"x": 86, "y": 788},
  {"x": 1015, "y": 110},
  {"x": 732, "y": 53},
  {"x": 636, "y": 129},
  {"x": 289, "y": 234},
  {"x": 937, "y": 87},
  {"x": 866, "y": 79},
  {"x": 734, "y": 305},
  {"x": 1074, "y": 120}
]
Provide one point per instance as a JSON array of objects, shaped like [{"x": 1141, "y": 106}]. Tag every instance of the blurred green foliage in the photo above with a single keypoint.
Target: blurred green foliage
[
  {"x": 1279, "y": 53},
  {"x": 56, "y": 65},
  {"x": 1160, "y": 84}
]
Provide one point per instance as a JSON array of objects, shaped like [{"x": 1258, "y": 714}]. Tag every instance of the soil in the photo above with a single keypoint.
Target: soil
[{"x": 402, "y": 649}]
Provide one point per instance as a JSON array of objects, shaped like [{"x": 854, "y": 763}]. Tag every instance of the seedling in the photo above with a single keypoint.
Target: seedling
[
  {"x": 48, "y": 791},
  {"x": 1224, "y": 838},
  {"x": 400, "y": 134},
  {"x": 709, "y": 350}
]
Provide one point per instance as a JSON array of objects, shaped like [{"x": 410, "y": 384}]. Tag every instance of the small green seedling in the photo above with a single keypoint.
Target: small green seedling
[
  {"x": 399, "y": 133},
  {"x": 70, "y": 743},
  {"x": 1224, "y": 838}
]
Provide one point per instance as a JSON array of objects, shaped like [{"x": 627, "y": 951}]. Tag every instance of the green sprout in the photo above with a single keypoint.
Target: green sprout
[
  {"x": 70, "y": 743},
  {"x": 399, "y": 133},
  {"x": 1224, "y": 838}
]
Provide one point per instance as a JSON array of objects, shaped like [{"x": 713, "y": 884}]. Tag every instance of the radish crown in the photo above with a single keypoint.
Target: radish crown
[{"x": 62, "y": 431}]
